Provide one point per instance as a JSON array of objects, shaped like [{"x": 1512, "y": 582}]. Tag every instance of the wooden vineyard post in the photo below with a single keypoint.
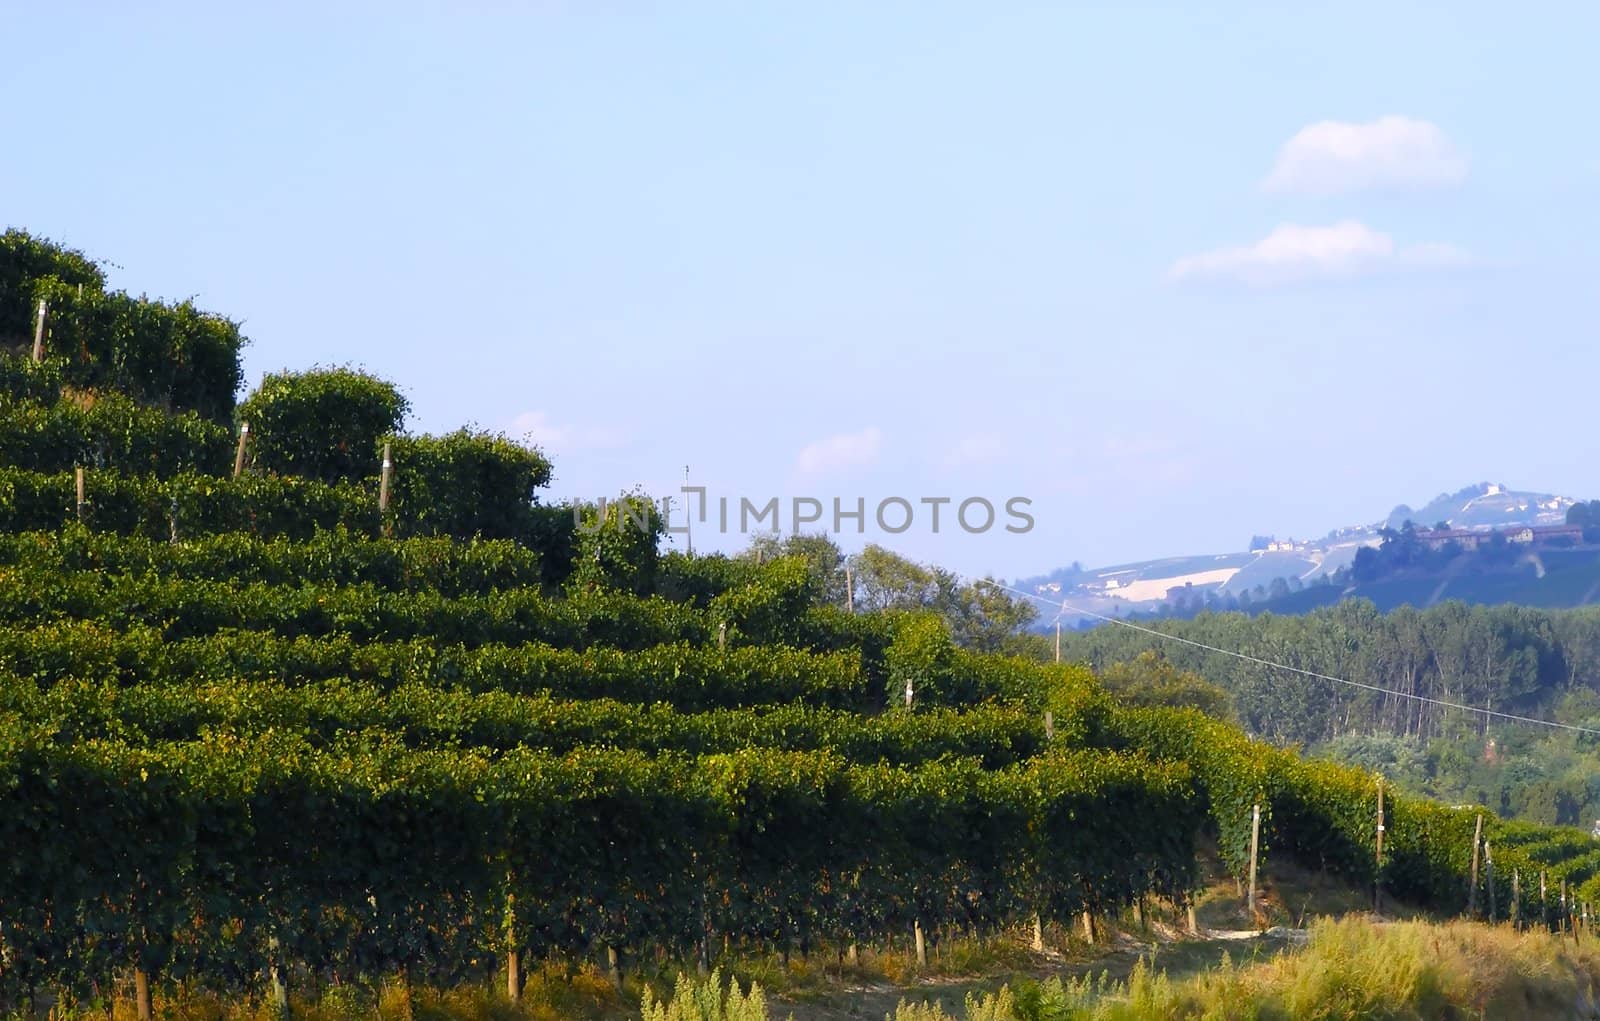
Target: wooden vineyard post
[
  {"x": 1377, "y": 882},
  {"x": 280, "y": 988},
  {"x": 383, "y": 481},
  {"x": 922, "y": 944},
  {"x": 513, "y": 951},
  {"x": 280, "y": 994},
  {"x": 722, "y": 635},
  {"x": 1058, "y": 639},
  {"x": 1544, "y": 908},
  {"x": 82, "y": 491},
  {"x": 1516, "y": 898},
  {"x": 1194, "y": 923},
  {"x": 238, "y": 455},
  {"x": 849, "y": 590},
  {"x": 38, "y": 330},
  {"x": 702, "y": 964},
  {"x": 1049, "y": 725},
  {"x": 1088, "y": 926},
  {"x": 1488, "y": 864},
  {"x": 1038, "y": 933},
  {"x": 1472, "y": 893},
  {"x": 141, "y": 995},
  {"x": 614, "y": 967},
  {"x": 1255, "y": 850}
]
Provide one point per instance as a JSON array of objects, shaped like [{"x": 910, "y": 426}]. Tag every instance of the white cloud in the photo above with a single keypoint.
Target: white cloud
[
  {"x": 537, "y": 428},
  {"x": 1292, "y": 253},
  {"x": 1330, "y": 157},
  {"x": 844, "y": 450},
  {"x": 977, "y": 449}
]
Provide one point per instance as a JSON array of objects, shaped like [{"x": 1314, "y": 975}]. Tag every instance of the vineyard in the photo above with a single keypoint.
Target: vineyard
[{"x": 271, "y": 712}]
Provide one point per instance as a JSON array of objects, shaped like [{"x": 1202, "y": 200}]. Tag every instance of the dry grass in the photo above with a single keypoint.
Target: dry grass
[
  {"x": 1348, "y": 968},
  {"x": 1356, "y": 969}
]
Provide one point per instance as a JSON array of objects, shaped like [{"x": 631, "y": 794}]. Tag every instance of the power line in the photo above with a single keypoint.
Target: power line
[{"x": 1258, "y": 661}]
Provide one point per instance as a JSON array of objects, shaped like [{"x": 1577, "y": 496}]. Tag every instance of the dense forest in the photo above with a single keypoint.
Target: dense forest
[{"x": 1508, "y": 659}]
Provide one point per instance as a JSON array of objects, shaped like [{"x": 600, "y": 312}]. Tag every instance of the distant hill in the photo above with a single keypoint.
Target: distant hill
[
  {"x": 1485, "y": 505},
  {"x": 1552, "y": 579},
  {"x": 1289, "y": 573}
]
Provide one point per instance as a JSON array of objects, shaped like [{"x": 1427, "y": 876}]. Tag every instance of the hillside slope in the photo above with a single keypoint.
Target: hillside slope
[{"x": 302, "y": 718}]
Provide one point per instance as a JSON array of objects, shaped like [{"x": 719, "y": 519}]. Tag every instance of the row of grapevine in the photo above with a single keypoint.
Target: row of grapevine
[
  {"x": 1324, "y": 816},
  {"x": 224, "y": 856},
  {"x": 186, "y": 609},
  {"x": 326, "y": 712},
  {"x": 110, "y": 431},
  {"x": 688, "y": 677},
  {"x": 184, "y": 505},
  {"x": 448, "y": 566}
]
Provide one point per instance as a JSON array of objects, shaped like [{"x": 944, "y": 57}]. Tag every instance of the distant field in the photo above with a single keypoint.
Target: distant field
[
  {"x": 1267, "y": 567},
  {"x": 1175, "y": 567}
]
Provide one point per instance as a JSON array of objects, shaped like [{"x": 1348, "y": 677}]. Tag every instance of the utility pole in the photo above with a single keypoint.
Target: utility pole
[
  {"x": 849, "y": 587},
  {"x": 1058, "y": 639},
  {"x": 688, "y": 517}
]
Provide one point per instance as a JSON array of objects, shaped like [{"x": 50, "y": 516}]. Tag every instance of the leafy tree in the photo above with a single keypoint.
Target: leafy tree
[
  {"x": 1149, "y": 679},
  {"x": 823, "y": 557},
  {"x": 1587, "y": 516},
  {"x": 980, "y": 615},
  {"x": 887, "y": 581}
]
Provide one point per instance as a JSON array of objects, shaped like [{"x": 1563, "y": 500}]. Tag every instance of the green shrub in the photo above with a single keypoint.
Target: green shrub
[
  {"x": 922, "y": 1010},
  {"x": 175, "y": 357},
  {"x": 921, "y": 655},
  {"x": 617, "y": 545},
  {"x": 996, "y": 1006},
  {"x": 23, "y": 379},
  {"x": 464, "y": 484},
  {"x": 706, "y": 1001},
  {"x": 322, "y": 424},
  {"x": 766, "y": 607},
  {"x": 25, "y": 259}
]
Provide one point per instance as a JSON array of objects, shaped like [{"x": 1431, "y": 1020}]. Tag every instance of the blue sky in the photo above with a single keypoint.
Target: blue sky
[{"x": 1175, "y": 276}]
